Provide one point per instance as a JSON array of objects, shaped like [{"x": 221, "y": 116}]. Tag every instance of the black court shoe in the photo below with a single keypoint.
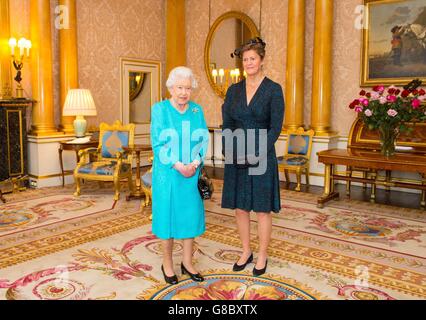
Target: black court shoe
[
  {"x": 169, "y": 280},
  {"x": 257, "y": 272},
  {"x": 237, "y": 267},
  {"x": 195, "y": 277}
]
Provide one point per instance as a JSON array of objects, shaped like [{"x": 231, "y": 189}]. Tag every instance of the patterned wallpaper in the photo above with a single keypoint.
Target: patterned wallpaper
[{"x": 346, "y": 51}]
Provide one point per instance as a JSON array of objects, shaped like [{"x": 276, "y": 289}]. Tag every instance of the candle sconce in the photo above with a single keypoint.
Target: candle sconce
[
  {"x": 18, "y": 61},
  {"x": 224, "y": 78}
]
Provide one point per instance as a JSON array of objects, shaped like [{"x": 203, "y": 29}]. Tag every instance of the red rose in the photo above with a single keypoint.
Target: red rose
[
  {"x": 405, "y": 93},
  {"x": 422, "y": 92},
  {"x": 362, "y": 93},
  {"x": 397, "y": 92},
  {"x": 368, "y": 95},
  {"x": 391, "y": 91},
  {"x": 415, "y": 92}
]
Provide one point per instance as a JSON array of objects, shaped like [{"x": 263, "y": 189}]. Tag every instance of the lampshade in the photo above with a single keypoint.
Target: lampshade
[{"x": 79, "y": 102}]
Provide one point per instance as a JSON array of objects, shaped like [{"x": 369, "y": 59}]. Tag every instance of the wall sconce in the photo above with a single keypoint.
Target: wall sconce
[
  {"x": 18, "y": 61},
  {"x": 223, "y": 78}
]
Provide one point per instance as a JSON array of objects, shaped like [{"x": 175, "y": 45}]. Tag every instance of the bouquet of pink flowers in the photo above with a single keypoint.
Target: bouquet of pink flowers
[
  {"x": 391, "y": 111},
  {"x": 391, "y": 108}
]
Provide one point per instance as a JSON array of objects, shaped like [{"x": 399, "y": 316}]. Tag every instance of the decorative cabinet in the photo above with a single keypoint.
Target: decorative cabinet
[{"x": 13, "y": 138}]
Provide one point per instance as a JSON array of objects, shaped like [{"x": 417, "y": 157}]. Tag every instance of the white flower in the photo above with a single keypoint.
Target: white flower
[
  {"x": 392, "y": 113},
  {"x": 368, "y": 113}
]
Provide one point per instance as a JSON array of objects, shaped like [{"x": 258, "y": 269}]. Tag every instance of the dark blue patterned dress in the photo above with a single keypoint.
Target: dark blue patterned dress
[{"x": 241, "y": 190}]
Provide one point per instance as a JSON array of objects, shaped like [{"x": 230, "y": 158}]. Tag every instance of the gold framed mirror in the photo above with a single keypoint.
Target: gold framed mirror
[
  {"x": 136, "y": 81},
  {"x": 229, "y": 31}
]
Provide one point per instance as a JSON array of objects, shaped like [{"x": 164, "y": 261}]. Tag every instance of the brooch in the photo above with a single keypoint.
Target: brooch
[{"x": 195, "y": 110}]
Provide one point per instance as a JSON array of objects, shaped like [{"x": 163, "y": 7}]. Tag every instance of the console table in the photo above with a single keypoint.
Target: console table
[{"x": 401, "y": 161}]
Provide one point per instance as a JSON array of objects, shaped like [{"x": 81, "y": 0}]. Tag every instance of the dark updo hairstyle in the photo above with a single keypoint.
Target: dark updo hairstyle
[{"x": 256, "y": 44}]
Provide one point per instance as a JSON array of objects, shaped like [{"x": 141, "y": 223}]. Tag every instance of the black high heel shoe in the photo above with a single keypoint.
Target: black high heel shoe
[
  {"x": 195, "y": 277},
  {"x": 169, "y": 280},
  {"x": 257, "y": 272},
  {"x": 238, "y": 267}
]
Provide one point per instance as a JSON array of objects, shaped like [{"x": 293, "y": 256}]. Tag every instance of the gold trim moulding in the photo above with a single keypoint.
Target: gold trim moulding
[
  {"x": 54, "y": 138},
  {"x": 59, "y": 175}
]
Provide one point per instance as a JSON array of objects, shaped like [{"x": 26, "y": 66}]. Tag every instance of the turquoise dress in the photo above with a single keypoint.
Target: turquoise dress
[{"x": 177, "y": 207}]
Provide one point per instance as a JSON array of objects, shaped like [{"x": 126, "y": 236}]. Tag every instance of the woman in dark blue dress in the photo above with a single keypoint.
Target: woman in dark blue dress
[{"x": 253, "y": 115}]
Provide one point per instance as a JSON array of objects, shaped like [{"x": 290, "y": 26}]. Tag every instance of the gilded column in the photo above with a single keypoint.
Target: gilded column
[
  {"x": 176, "y": 35},
  {"x": 5, "y": 59},
  {"x": 295, "y": 65},
  {"x": 41, "y": 68},
  {"x": 68, "y": 59},
  {"x": 321, "y": 85}
]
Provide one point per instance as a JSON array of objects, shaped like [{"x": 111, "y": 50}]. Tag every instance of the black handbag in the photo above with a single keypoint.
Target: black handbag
[{"x": 205, "y": 185}]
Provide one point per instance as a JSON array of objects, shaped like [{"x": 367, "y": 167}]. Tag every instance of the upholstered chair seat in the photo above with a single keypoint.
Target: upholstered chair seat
[{"x": 103, "y": 168}]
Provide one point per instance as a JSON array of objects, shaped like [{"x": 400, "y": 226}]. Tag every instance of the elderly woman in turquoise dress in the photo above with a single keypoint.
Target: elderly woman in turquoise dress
[{"x": 179, "y": 137}]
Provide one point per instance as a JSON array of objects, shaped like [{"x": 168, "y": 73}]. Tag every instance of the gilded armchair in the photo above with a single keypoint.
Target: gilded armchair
[
  {"x": 297, "y": 155},
  {"x": 112, "y": 162}
]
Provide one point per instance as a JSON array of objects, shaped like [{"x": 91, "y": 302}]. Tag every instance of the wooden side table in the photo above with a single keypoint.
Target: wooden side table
[
  {"x": 64, "y": 145},
  {"x": 137, "y": 149}
]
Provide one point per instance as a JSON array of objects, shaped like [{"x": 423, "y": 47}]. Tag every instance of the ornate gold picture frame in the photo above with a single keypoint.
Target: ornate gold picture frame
[{"x": 394, "y": 42}]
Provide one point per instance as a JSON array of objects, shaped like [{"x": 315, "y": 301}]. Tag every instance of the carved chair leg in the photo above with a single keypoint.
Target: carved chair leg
[
  {"x": 348, "y": 183},
  {"x": 299, "y": 180},
  {"x": 287, "y": 177},
  {"x": 147, "y": 199},
  {"x": 117, "y": 189},
  {"x": 78, "y": 187},
  {"x": 307, "y": 173}
]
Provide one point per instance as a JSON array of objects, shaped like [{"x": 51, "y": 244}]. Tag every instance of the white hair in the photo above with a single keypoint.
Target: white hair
[{"x": 181, "y": 73}]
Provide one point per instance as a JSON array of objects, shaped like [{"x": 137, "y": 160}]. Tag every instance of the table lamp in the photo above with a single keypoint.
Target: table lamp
[{"x": 79, "y": 102}]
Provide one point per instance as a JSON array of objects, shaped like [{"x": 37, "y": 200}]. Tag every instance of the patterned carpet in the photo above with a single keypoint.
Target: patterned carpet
[{"x": 55, "y": 246}]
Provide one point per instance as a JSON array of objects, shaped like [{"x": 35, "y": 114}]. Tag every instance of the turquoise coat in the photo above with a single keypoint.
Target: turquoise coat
[{"x": 177, "y": 208}]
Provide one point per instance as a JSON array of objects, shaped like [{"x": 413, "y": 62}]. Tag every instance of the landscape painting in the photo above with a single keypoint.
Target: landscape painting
[{"x": 394, "y": 42}]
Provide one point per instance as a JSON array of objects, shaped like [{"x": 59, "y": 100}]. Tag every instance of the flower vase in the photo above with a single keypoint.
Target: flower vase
[{"x": 388, "y": 136}]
